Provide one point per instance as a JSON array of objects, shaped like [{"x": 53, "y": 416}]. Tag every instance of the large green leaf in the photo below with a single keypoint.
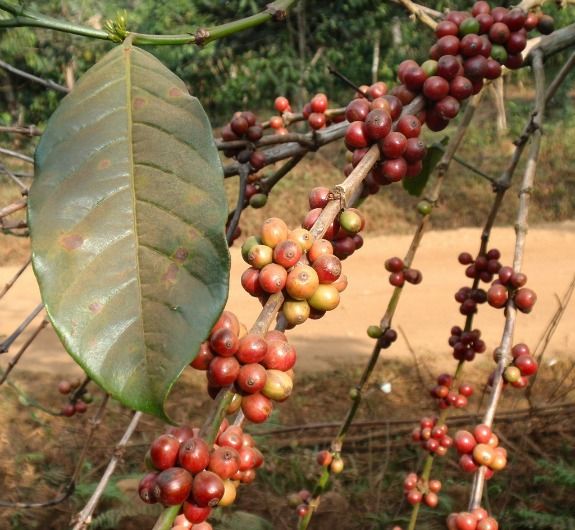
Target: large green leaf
[{"x": 127, "y": 215}]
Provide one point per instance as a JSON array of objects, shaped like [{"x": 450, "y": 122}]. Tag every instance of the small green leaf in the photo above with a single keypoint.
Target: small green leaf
[
  {"x": 127, "y": 215},
  {"x": 415, "y": 185}
]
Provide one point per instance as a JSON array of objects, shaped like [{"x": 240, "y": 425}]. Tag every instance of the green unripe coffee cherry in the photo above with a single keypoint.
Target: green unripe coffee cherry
[
  {"x": 87, "y": 397},
  {"x": 499, "y": 53},
  {"x": 424, "y": 207},
  {"x": 353, "y": 393},
  {"x": 258, "y": 200},
  {"x": 374, "y": 332},
  {"x": 469, "y": 25},
  {"x": 247, "y": 246},
  {"x": 350, "y": 221}
]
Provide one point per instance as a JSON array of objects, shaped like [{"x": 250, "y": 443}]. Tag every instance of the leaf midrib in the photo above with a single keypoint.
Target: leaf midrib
[{"x": 132, "y": 166}]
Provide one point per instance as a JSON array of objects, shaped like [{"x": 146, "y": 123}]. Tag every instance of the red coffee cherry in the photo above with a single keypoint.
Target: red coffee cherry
[{"x": 173, "y": 486}]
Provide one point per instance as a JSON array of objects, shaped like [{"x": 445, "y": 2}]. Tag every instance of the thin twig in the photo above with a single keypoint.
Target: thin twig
[
  {"x": 28, "y": 130},
  {"x": 347, "y": 81},
  {"x": 521, "y": 231},
  {"x": 15, "y": 154},
  {"x": 234, "y": 221},
  {"x": 15, "y": 178},
  {"x": 31, "y": 77},
  {"x": 14, "y": 361},
  {"x": 13, "y": 208},
  {"x": 83, "y": 519},
  {"x": 5, "y": 346},
  {"x": 8, "y": 285},
  {"x": 419, "y": 13},
  {"x": 422, "y": 383},
  {"x": 266, "y": 184},
  {"x": 545, "y": 338},
  {"x": 288, "y": 150},
  {"x": 467, "y": 165}
]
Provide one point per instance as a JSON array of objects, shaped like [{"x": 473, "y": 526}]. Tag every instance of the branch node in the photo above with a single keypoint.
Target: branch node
[
  {"x": 201, "y": 36},
  {"x": 338, "y": 194},
  {"x": 278, "y": 14}
]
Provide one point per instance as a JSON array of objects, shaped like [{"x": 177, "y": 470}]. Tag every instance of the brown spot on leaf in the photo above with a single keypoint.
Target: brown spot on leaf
[
  {"x": 139, "y": 102},
  {"x": 104, "y": 164},
  {"x": 171, "y": 274},
  {"x": 181, "y": 255},
  {"x": 95, "y": 307},
  {"x": 175, "y": 92},
  {"x": 72, "y": 241}
]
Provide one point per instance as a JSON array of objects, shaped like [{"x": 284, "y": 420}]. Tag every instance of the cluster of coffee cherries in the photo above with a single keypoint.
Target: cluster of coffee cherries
[
  {"x": 281, "y": 104},
  {"x": 483, "y": 268},
  {"x": 401, "y": 149},
  {"x": 511, "y": 283},
  {"x": 260, "y": 368},
  {"x": 334, "y": 461},
  {"x": 466, "y": 344},
  {"x": 186, "y": 471},
  {"x": 300, "y": 501},
  {"x": 417, "y": 490},
  {"x": 343, "y": 232},
  {"x": 447, "y": 396},
  {"x": 399, "y": 273},
  {"x": 78, "y": 401},
  {"x": 471, "y": 47},
  {"x": 244, "y": 126},
  {"x": 521, "y": 368},
  {"x": 314, "y": 111},
  {"x": 477, "y": 519},
  {"x": 480, "y": 448},
  {"x": 385, "y": 337},
  {"x": 278, "y": 263},
  {"x": 432, "y": 437}
]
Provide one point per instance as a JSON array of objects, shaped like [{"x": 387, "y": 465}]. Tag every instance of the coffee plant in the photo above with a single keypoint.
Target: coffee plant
[{"x": 130, "y": 230}]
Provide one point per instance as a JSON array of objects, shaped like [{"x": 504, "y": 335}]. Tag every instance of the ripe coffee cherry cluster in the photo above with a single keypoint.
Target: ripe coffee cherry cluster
[
  {"x": 77, "y": 402},
  {"x": 471, "y": 47},
  {"x": 510, "y": 283},
  {"x": 522, "y": 367},
  {"x": 417, "y": 490},
  {"x": 466, "y": 344},
  {"x": 278, "y": 263},
  {"x": 446, "y": 396},
  {"x": 334, "y": 461},
  {"x": 314, "y": 112},
  {"x": 484, "y": 267},
  {"x": 258, "y": 367},
  {"x": 244, "y": 126},
  {"x": 432, "y": 437},
  {"x": 477, "y": 519},
  {"x": 343, "y": 232},
  {"x": 400, "y": 148},
  {"x": 399, "y": 273},
  {"x": 480, "y": 448},
  {"x": 186, "y": 471}
]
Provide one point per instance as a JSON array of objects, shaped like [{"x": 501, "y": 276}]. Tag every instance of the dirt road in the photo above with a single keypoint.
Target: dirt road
[{"x": 426, "y": 312}]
